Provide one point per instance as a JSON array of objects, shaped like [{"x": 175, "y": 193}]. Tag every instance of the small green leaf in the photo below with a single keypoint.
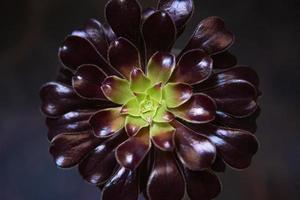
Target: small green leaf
[
  {"x": 155, "y": 92},
  {"x": 138, "y": 81},
  {"x": 131, "y": 107},
  {"x": 176, "y": 94},
  {"x": 160, "y": 67},
  {"x": 140, "y": 96},
  {"x": 134, "y": 124},
  {"x": 116, "y": 89},
  {"x": 148, "y": 108},
  {"x": 158, "y": 128},
  {"x": 162, "y": 114}
]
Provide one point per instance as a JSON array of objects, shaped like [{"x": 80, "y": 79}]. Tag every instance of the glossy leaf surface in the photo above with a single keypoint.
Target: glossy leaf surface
[
  {"x": 131, "y": 153},
  {"x": 195, "y": 151},
  {"x": 123, "y": 185},
  {"x": 124, "y": 56},
  {"x": 87, "y": 82},
  {"x": 164, "y": 178},
  {"x": 199, "y": 109},
  {"x": 158, "y": 38},
  {"x": 107, "y": 122}
]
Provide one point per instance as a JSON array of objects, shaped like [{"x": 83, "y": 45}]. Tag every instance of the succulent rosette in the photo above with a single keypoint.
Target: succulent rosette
[{"x": 138, "y": 119}]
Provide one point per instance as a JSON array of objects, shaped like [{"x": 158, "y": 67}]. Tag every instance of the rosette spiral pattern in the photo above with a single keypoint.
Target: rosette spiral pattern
[{"x": 138, "y": 119}]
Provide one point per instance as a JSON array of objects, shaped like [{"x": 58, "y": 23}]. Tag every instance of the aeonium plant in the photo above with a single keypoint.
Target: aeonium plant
[{"x": 139, "y": 119}]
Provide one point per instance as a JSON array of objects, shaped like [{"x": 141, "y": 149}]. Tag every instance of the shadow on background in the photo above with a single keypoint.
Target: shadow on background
[{"x": 267, "y": 38}]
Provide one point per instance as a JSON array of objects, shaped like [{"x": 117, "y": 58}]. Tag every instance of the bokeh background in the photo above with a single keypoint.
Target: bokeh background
[{"x": 267, "y": 38}]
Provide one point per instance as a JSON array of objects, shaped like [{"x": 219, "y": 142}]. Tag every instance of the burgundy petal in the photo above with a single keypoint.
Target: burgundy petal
[
  {"x": 107, "y": 122},
  {"x": 64, "y": 76},
  {"x": 247, "y": 123},
  {"x": 236, "y": 146},
  {"x": 195, "y": 151},
  {"x": 224, "y": 60},
  {"x": 131, "y": 153},
  {"x": 123, "y": 185},
  {"x": 69, "y": 149},
  {"x": 124, "y": 16},
  {"x": 74, "y": 121},
  {"x": 199, "y": 109},
  {"x": 144, "y": 172},
  {"x": 87, "y": 82},
  {"x": 237, "y": 72},
  {"x": 109, "y": 33},
  {"x": 158, "y": 38},
  {"x": 235, "y": 97},
  {"x": 219, "y": 165},
  {"x": 94, "y": 32},
  {"x": 147, "y": 13},
  {"x": 202, "y": 185},
  {"x": 194, "y": 67},
  {"x": 58, "y": 99},
  {"x": 164, "y": 141},
  {"x": 162, "y": 136},
  {"x": 180, "y": 10},
  {"x": 101, "y": 163},
  {"x": 165, "y": 181},
  {"x": 77, "y": 51},
  {"x": 210, "y": 35},
  {"x": 124, "y": 56}
]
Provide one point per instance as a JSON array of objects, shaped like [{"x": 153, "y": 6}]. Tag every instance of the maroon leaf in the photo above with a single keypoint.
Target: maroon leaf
[
  {"x": 218, "y": 165},
  {"x": 195, "y": 151},
  {"x": 107, "y": 122},
  {"x": 124, "y": 17},
  {"x": 210, "y": 35},
  {"x": 77, "y": 51},
  {"x": 131, "y": 153},
  {"x": 64, "y": 76},
  {"x": 101, "y": 163},
  {"x": 233, "y": 73},
  {"x": 165, "y": 181},
  {"x": 109, "y": 33},
  {"x": 180, "y": 10},
  {"x": 87, "y": 82},
  {"x": 224, "y": 60},
  {"x": 236, "y": 146},
  {"x": 58, "y": 99},
  {"x": 94, "y": 32},
  {"x": 123, "y": 185},
  {"x": 235, "y": 97},
  {"x": 199, "y": 109},
  {"x": 124, "y": 56},
  {"x": 147, "y": 13},
  {"x": 247, "y": 123},
  {"x": 158, "y": 38},
  {"x": 202, "y": 185},
  {"x": 74, "y": 121},
  {"x": 162, "y": 136},
  {"x": 194, "y": 67},
  {"x": 69, "y": 149}
]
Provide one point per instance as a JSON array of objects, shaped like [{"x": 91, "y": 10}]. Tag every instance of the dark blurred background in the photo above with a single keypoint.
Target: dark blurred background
[{"x": 267, "y": 38}]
